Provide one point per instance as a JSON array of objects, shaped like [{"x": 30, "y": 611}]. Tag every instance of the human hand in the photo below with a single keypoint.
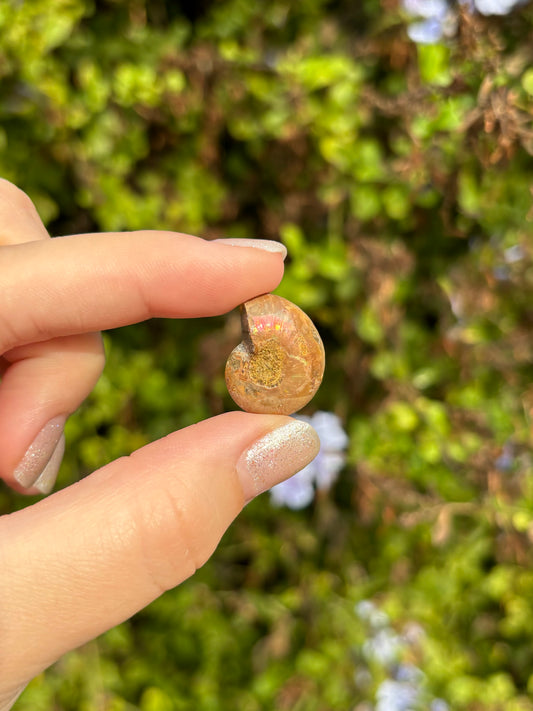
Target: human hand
[{"x": 90, "y": 556}]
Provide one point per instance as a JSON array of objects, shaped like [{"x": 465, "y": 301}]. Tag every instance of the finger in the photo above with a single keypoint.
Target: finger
[
  {"x": 19, "y": 220},
  {"x": 43, "y": 385},
  {"x": 95, "y": 553},
  {"x": 109, "y": 280},
  {"x": 45, "y": 381},
  {"x": 88, "y": 283}
]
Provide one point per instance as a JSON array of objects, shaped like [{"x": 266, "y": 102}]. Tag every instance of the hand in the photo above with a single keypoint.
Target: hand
[{"x": 88, "y": 557}]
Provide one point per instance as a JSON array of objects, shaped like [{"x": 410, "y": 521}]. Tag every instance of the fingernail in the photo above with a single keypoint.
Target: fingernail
[
  {"x": 39, "y": 453},
  {"x": 277, "y": 456},
  {"x": 267, "y": 244},
  {"x": 7, "y": 701},
  {"x": 45, "y": 483}
]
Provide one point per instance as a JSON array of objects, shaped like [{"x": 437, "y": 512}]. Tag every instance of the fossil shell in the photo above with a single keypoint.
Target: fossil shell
[{"x": 278, "y": 366}]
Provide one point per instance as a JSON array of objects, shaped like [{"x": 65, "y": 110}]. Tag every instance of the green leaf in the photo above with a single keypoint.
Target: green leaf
[
  {"x": 434, "y": 64},
  {"x": 527, "y": 81}
]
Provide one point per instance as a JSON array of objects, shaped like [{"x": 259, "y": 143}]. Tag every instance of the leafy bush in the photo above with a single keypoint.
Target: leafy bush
[{"x": 398, "y": 175}]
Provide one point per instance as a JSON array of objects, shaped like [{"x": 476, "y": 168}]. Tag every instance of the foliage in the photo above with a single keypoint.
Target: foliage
[{"x": 399, "y": 178}]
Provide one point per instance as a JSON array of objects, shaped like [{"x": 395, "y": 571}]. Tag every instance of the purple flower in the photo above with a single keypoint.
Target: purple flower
[{"x": 299, "y": 491}]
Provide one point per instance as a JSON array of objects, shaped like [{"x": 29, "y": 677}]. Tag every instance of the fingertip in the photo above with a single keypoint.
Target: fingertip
[
  {"x": 44, "y": 383},
  {"x": 19, "y": 219},
  {"x": 115, "y": 279},
  {"x": 248, "y": 268},
  {"x": 47, "y": 479},
  {"x": 276, "y": 456},
  {"x": 135, "y": 528}
]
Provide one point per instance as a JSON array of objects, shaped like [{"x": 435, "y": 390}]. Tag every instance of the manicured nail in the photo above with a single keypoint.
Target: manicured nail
[
  {"x": 45, "y": 483},
  {"x": 277, "y": 456},
  {"x": 39, "y": 453},
  {"x": 267, "y": 244},
  {"x": 7, "y": 702}
]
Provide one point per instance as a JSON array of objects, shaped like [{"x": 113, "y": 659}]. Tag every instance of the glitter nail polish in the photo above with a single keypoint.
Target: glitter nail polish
[
  {"x": 39, "y": 453},
  {"x": 47, "y": 479},
  {"x": 277, "y": 456},
  {"x": 8, "y": 699}
]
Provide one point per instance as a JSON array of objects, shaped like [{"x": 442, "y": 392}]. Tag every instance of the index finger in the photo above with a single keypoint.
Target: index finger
[{"x": 93, "y": 282}]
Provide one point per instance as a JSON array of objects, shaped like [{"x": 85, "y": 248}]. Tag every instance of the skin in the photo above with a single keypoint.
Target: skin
[{"x": 88, "y": 557}]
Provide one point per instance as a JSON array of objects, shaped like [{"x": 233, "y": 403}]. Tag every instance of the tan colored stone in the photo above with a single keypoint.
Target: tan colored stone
[{"x": 279, "y": 365}]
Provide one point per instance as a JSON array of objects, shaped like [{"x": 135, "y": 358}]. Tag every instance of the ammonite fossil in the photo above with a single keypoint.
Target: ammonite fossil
[{"x": 278, "y": 366}]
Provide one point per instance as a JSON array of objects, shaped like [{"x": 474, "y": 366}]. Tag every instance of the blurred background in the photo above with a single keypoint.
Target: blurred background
[{"x": 388, "y": 144}]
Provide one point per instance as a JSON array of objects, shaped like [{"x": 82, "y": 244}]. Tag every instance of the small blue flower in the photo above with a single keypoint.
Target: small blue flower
[
  {"x": 385, "y": 647},
  {"x": 514, "y": 254},
  {"x": 434, "y": 20},
  {"x": 501, "y": 272},
  {"x": 405, "y": 686},
  {"x": 367, "y": 611},
  {"x": 299, "y": 491},
  {"x": 505, "y": 461},
  {"x": 396, "y": 696},
  {"x": 408, "y": 673},
  {"x": 364, "y": 609},
  {"x": 296, "y": 492},
  {"x": 426, "y": 31},
  {"x": 496, "y": 7},
  {"x": 426, "y": 8}
]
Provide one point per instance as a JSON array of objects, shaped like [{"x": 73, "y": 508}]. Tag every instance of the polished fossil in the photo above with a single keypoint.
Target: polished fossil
[{"x": 278, "y": 366}]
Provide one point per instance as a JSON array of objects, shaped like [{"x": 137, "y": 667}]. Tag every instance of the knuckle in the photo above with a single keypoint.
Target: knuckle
[
  {"x": 95, "y": 360},
  {"x": 15, "y": 195},
  {"x": 168, "y": 536},
  {"x": 20, "y": 221}
]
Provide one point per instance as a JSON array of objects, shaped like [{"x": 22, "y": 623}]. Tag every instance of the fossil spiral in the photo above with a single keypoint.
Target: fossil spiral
[{"x": 278, "y": 366}]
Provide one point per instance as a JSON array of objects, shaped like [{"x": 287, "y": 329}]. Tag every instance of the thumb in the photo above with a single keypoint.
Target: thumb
[{"x": 90, "y": 556}]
